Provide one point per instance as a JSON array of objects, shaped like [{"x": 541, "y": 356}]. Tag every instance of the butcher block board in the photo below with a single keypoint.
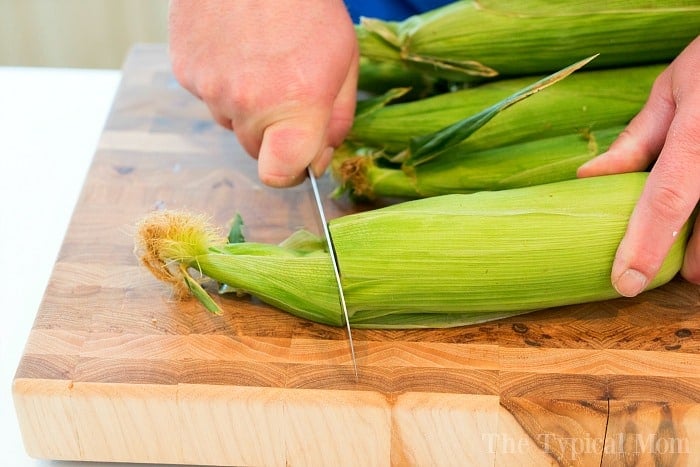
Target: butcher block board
[{"x": 115, "y": 369}]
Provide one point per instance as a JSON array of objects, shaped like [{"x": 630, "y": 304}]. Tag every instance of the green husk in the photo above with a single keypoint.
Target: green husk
[
  {"x": 477, "y": 40},
  {"x": 423, "y": 148},
  {"x": 367, "y": 176},
  {"x": 429, "y": 147},
  {"x": 436, "y": 262},
  {"x": 584, "y": 100},
  {"x": 376, "y": 77}
]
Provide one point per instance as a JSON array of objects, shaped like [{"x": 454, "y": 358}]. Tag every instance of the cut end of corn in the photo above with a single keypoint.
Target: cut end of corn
[{"x": 167, "y": 239}]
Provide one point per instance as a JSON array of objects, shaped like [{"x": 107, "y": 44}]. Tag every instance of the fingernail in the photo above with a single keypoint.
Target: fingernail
[
  {"x": 587, "y": 164},
  {"x": 281, "y": 181},
  {"x": 631, "y": 283},
  {"x": 590, "y": 163},
  {"x": 327, "y": 154}
]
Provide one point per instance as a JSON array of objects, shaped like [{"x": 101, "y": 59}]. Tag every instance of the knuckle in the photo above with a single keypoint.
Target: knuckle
[
  {"x": 209, "y": 89},
  {"x": 243, "y": 98},
  {"x": 669, "y": 201}
]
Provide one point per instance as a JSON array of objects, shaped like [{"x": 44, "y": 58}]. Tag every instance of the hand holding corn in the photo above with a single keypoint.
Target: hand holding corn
[
  {"x": 667, "y": 131},
  {"x": 282, "y": 75}
]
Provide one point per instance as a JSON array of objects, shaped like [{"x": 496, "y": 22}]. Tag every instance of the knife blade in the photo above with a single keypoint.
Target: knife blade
[{"x": 334, "y": 261}]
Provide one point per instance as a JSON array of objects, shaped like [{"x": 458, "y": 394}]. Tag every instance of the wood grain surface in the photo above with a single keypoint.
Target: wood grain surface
[{"x": 115, "y": 369}]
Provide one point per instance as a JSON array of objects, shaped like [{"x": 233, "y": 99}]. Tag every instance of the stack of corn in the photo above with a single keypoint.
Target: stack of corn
[
  {"x": 497, "y": 45},
  {"x": 542, "y": 139}
]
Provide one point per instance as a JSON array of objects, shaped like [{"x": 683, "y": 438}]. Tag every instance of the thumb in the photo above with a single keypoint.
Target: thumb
[{"x": 288, "y": 147}]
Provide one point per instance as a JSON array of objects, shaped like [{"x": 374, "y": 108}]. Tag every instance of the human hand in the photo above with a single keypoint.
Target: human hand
[
  {"x": 667, "y": 130},
  {"x": 282, "y": 75}
]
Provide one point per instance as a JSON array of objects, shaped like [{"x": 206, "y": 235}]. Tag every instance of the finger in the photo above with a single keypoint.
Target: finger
[
  {"x": 342, "y": 115},
  {"x": 691, "y": 263},
  {"x": 343, "y": 110},
  {"x": 667, "y": 201},
  {"x": 322, "y": 161},
  {"x": 642, "y": 140},
  {"x": 248, "y": 137},
  {"x": 288, "y": 147}
]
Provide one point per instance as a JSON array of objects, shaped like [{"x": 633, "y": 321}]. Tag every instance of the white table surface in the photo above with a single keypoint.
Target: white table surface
[{"x": 50, "y": 122}]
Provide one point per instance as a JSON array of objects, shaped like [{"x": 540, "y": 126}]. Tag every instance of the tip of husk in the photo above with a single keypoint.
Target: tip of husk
[
  {"x": 353, "y": 176},
  {"x": 167, "y": 239}
]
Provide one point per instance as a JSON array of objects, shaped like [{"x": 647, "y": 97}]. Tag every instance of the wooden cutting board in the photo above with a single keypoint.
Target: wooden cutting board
[{"x": 116, "y": 370}]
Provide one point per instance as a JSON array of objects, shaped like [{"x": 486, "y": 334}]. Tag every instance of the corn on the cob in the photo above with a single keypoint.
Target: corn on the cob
[
  {"x": 482, "y": 39},
  {"x": 584, "y": 100},
  {"x": 544, "y": 160},
  {"x": 436, "y": 262}
]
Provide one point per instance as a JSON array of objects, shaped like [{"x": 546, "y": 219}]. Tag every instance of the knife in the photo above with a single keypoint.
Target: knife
[{"x": 334, "y": 261}]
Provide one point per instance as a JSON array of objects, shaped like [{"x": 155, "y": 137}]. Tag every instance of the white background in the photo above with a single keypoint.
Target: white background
[{"x": 50, "y": 122}]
